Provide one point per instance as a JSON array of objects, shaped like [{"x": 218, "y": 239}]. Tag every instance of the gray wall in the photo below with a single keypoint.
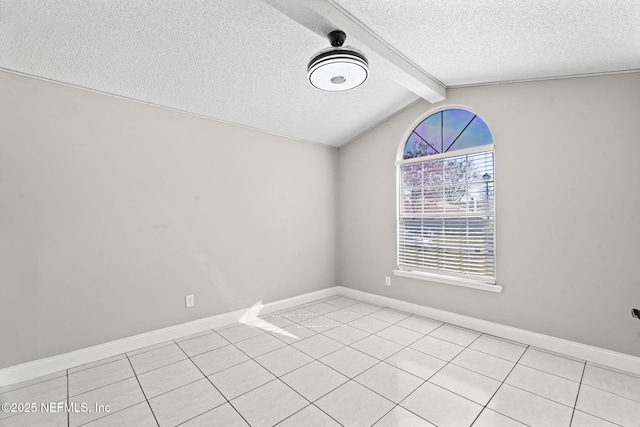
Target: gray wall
[
  {"x": 112, "y": 211},
  {"x": 567, "y": 201}
]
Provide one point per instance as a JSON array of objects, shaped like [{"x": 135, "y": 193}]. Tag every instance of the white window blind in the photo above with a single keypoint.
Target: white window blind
[{"x": 446, "y": 216}]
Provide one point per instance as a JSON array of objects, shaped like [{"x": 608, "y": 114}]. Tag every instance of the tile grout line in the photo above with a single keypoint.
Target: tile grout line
[
  {"x": 562, "y": 378},
  {"x": 214, "y": 386},
  {"x": 556, "y": 354},
  {"x": 502, "y": 358},
  {"x": 434, "y": 374},
  {"x": 107, "y": 385},
  {"x": 318, "y": 333},
  {"x": 134, "y": 372},
  {"x": 614, "y": 370},
  {"x": 601, "y": 419},
  {"x": 468, "y": 347},
  {"x": 500, "y": 338},
  {"x": 475, "y": 372},
  {"x": 592, "y": 415},
  {"x": 30, "y": 385},
  {"x": 197, "y": 335},
  {"x": 575, "y": 403},
  {"x": 155, "y": 369},
  {"x": 300, "y": 410},
  {"x": 355, "y": 349},
  {"x": 450, "y": 342},
  {"x": 111, "y": 413},
  {"x": 314, "y": 359},
  {"x": 299, "y": 322},
  {"x": 102, "y": 386},
  {"x": 550, "y": 373},
  {"x": 395, "y": 405},
  {"x": 521, "y": 364},
  {"x": 138, "y": 352},
  {"x": 124, "y": 379},
  {"x": 343, "y": 345},
  {"x": 160, "y": 367},
  {"x": 278, "y": 377},
  {"x": 174, "y": 389},
  {"x": 515, "y": 386},
  {"x": 362, "y": 385},
  {"x": 499, "y": 387},
  {"x": 105, "y": 361},
  {"x": 612, "y": 393},
  {"x": 560, "y": 403},
  {"x": 532, "y": 393},
  {"x": 347, "y": 345},
  {"x": 142, "y": 390},
  {"x": 206, "y": 412},
  {"x": 134, "y": 375},
  {"x": 403, "y": 347}
]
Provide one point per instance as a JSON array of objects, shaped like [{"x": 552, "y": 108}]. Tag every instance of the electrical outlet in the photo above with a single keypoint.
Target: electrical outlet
[
  {"x": 189, "y": 301},
  {"x": 387, "y": 281}
]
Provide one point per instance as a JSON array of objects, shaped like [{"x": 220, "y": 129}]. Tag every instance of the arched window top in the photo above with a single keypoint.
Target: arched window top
[{"x": 446, "y": 131}]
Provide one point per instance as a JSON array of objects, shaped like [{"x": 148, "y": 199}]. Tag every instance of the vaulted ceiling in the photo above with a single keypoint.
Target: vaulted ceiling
[{"x": 244, "y": 61}]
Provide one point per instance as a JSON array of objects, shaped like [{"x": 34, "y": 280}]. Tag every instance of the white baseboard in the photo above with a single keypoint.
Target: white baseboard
[
  {"x": 37, "y": 368},
  {"x": 574, "y": 349},
  {"x": 49, "y": 365}
]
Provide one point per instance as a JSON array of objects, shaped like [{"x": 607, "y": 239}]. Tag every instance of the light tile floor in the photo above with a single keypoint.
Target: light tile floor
[{"x": 333, "y": 362}]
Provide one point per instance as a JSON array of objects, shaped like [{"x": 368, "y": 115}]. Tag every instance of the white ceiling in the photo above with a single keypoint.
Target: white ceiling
[
  {"x": 243, "y": 61},
  {"x": 462, "y": 42}
]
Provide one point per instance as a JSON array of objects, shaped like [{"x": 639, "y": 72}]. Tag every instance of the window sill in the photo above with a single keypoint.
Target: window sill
[{"x": 448, "y": 280}]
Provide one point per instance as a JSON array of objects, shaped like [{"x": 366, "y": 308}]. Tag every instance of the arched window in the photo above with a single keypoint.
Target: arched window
[{"x": 446, "y": 200}]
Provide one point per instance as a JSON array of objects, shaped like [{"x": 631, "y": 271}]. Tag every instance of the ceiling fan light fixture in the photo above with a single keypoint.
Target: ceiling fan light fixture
[{"x": 337, "y": 69}]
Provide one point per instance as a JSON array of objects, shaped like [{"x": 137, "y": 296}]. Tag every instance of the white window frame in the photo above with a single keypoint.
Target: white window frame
[{"x": 435, "y": 276}]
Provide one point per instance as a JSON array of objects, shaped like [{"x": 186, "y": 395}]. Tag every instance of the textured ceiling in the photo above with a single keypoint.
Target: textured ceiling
[
  {"x": 239, "y": 61},
  {"x": 461, "y": 42},
  {"x": 244, "y": 62}
]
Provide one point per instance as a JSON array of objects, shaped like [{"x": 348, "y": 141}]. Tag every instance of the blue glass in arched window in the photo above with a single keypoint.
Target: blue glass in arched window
[{"x": 447, "y": 131}]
